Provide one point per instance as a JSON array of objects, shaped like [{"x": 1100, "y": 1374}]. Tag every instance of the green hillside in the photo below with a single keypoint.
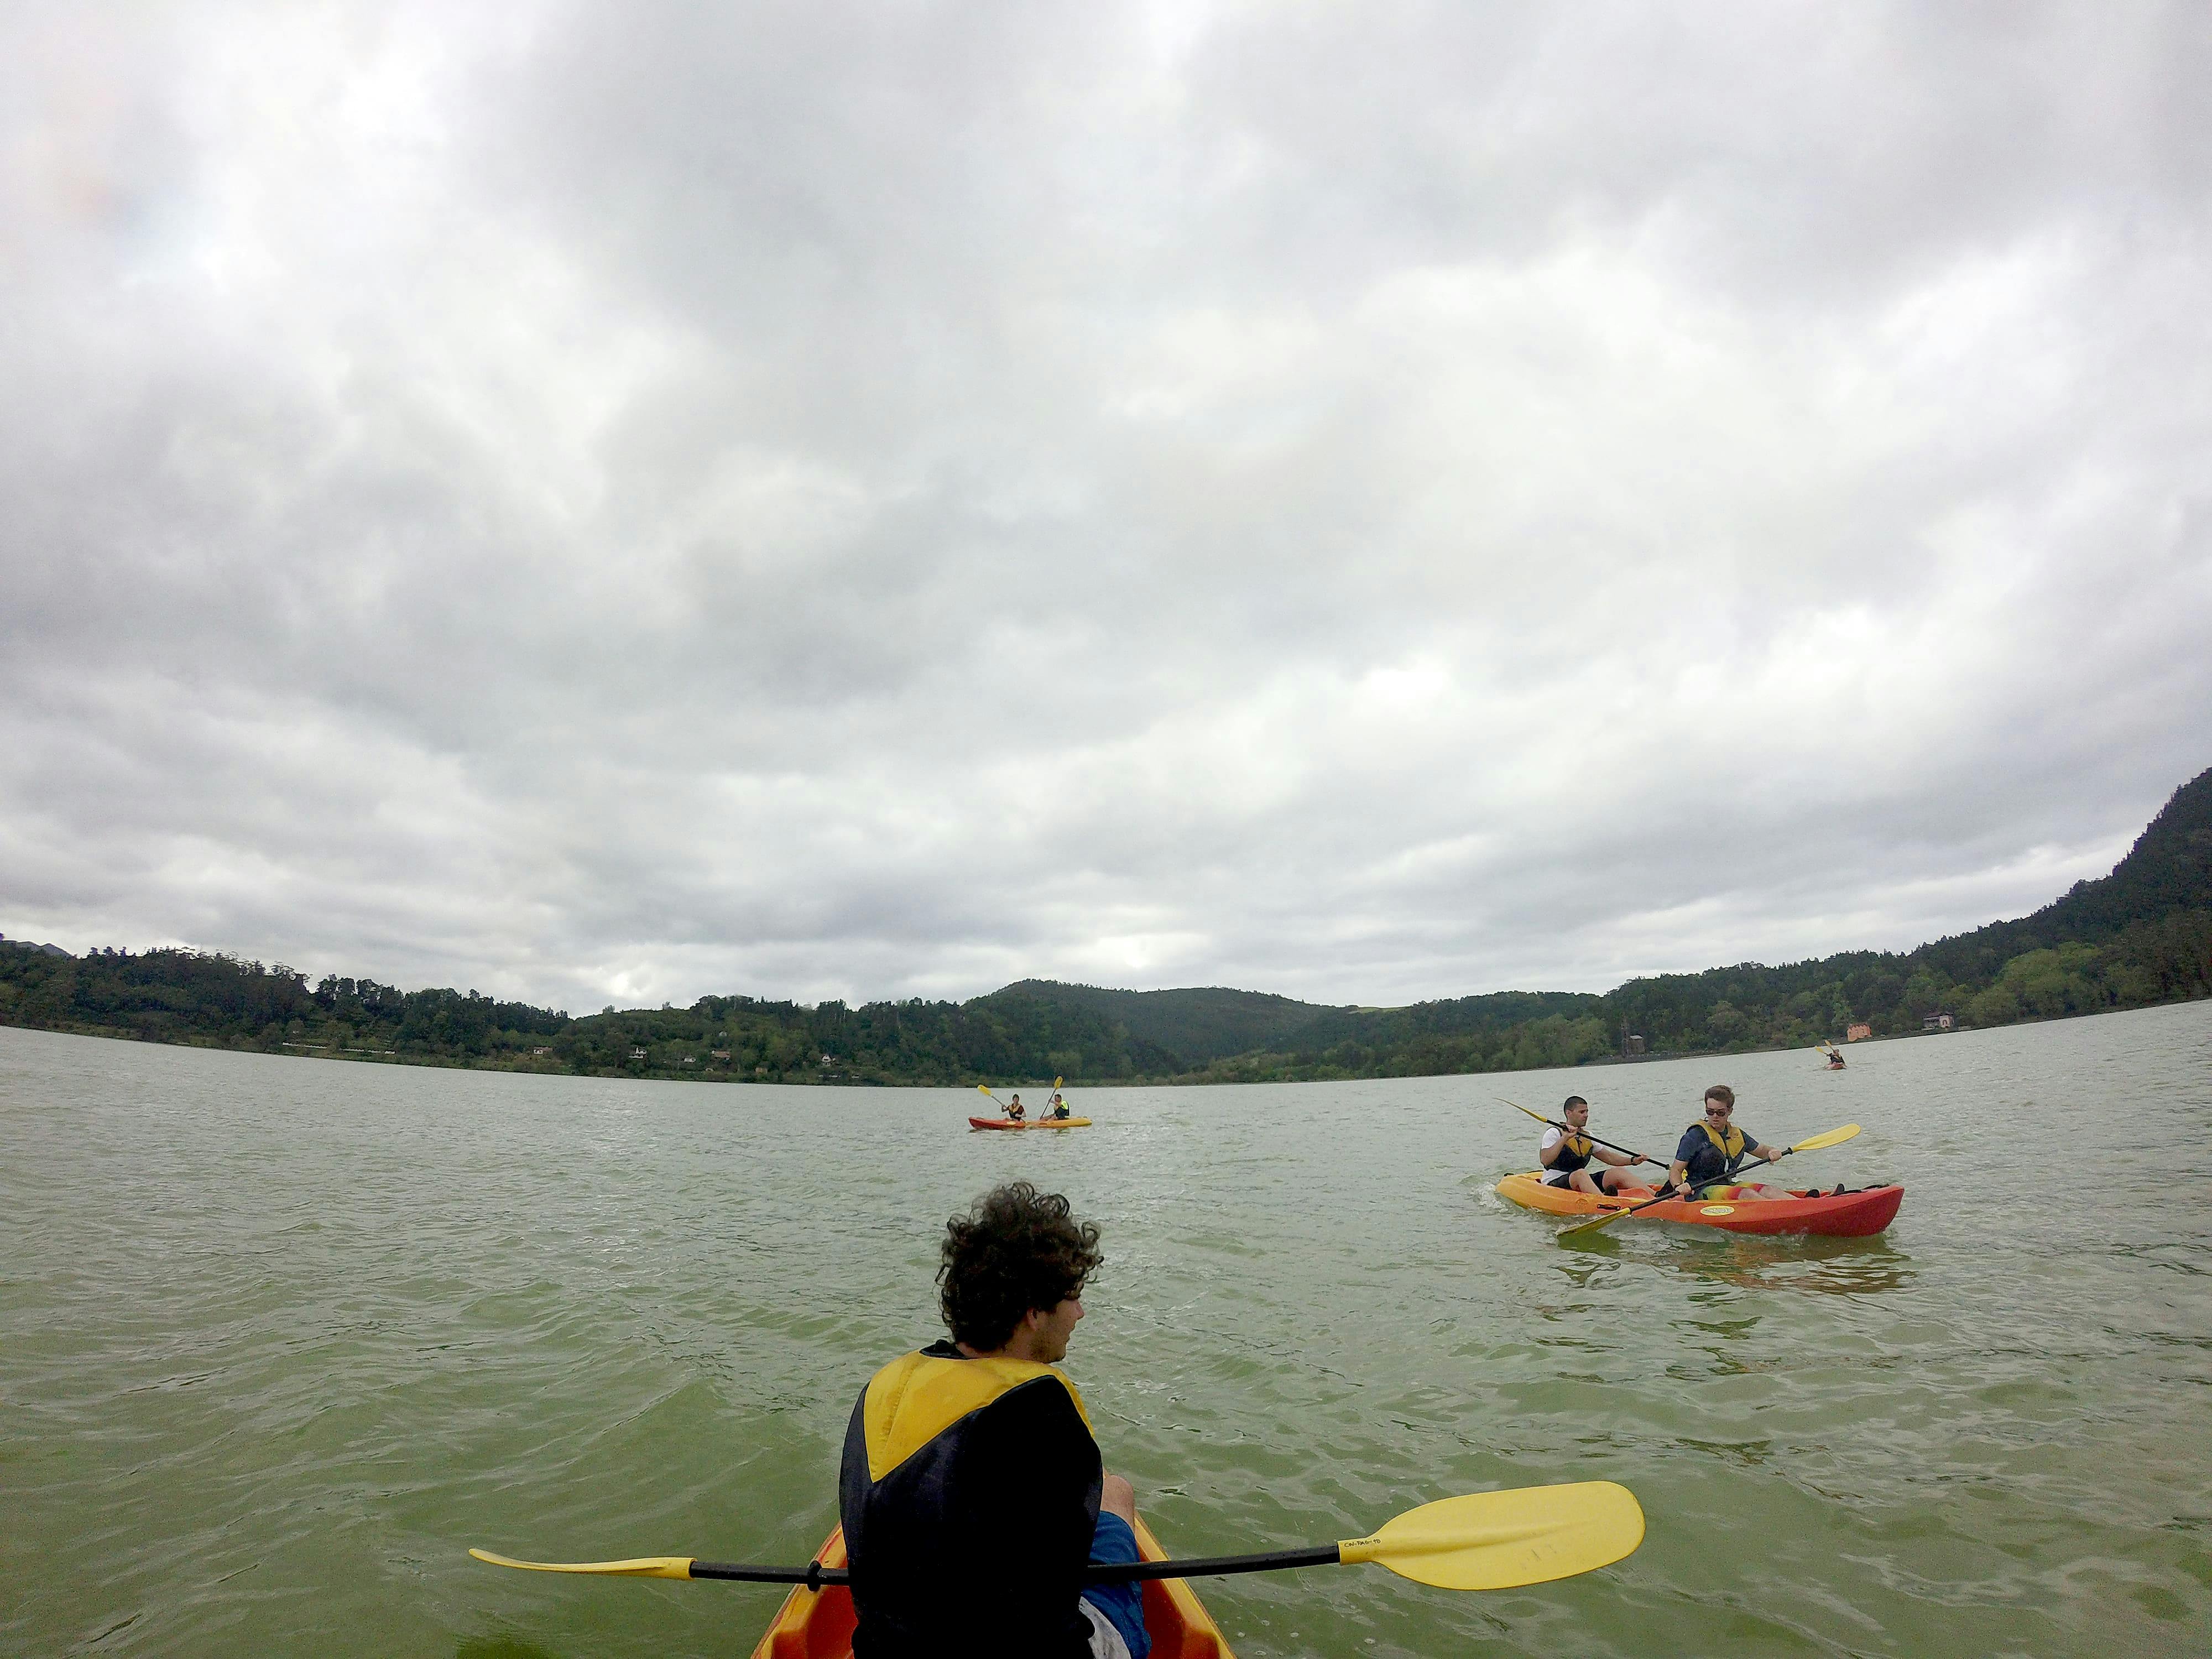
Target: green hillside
[
  {"x": 1195, "y": 1025},
  {"x": 2140, "y": 936}
]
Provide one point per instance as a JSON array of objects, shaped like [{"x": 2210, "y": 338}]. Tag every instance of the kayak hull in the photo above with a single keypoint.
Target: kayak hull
[
  {"x": 1849, "y": 1215},
  {"x": 818, "y": 1624},
  {"x": 1030, "y": 1123}
]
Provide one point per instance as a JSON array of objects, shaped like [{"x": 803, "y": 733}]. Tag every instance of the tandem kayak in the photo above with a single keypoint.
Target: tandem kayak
[
  {"x": 818, "y": 1624},
  {"x": 1030, "y": 1123},
  {"x": 1844, "y": 1215}
]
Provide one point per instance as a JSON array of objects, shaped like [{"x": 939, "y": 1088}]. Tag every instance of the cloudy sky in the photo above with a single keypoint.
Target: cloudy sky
[{"x": 606, "y": 503}]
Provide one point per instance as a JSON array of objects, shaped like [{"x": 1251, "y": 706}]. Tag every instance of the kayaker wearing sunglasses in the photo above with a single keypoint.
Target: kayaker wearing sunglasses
[
  {"x": 1568, "y": 1155},
  {"x": 972, "y": 1492},
  {"x": 1712, "y": 1148}
]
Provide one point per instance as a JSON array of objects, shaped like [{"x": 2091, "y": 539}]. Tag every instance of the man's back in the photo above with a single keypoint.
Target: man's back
[{"x": 969, "y": 1493}]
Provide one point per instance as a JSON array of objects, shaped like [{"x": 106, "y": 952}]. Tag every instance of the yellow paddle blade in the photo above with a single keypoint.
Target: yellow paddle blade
[
  {"x": 985, "y": 1089},
  {"x": 1833, "y": 1137},
  {"x": 1497, "y": 1539},
  {"x": 643, "y": 1567},
  {"x": 1518, "y": 1107}
]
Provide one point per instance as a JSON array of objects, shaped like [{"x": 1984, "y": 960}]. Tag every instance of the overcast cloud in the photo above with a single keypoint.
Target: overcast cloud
[{"x": 610, "y": 503}]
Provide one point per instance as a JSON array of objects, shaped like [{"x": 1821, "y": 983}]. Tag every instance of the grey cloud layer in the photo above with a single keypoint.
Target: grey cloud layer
[{"x": 598, "y": 504}]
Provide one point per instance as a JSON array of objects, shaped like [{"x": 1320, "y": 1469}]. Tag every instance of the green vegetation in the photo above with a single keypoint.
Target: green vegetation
[{"x": 2141, "y": 936}]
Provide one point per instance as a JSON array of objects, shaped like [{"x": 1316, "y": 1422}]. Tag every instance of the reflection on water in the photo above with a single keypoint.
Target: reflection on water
[
  {"x": 1814, "y": 1266},
  {"x": 1819, "y": 1267}
]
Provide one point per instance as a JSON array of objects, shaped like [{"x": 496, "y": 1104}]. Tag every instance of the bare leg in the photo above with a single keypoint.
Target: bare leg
[
  {"x": 1581, "y": 1182},
  {"x": 1119, "y": 1497}
]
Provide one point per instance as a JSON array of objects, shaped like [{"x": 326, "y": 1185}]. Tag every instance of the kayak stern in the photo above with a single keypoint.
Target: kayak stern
[{"x": 818, "y": 1624}]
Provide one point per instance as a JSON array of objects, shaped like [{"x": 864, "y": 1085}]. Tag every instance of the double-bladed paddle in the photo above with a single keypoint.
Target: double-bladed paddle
[
  {"x": 1485, "y": 1540},
  {"x": 1833, "y": 1137},
  {"x": 1584, "y": 1133}
]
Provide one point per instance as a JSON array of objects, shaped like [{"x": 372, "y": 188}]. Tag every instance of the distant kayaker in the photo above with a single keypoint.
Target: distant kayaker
[
  {"x": 972, "y": 1493},
  {"x": 1711, "y": 1149},
  {"x": 1568, "y": 1154},
  {"x": 1056, "y": 1108},
  {"x": 1014, "y": 1112}
]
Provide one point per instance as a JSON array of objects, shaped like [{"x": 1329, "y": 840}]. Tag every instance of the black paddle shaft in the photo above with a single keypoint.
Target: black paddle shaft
[
  {"x": 816, "y": 1577},
  {"x": 1211, "y": 1567},
  {"x": 1587, "y": 1135},
  {"x": 813, "y": 1575}
]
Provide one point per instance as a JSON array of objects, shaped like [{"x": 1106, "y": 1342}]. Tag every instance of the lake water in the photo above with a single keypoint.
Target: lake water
[{"x": 281, "y": 1339}]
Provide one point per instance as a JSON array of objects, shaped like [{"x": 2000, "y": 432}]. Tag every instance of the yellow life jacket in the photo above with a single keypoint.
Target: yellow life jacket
[
  {"x": 917, "y": 1396},
  {"x": 1730, "y": 1146}
]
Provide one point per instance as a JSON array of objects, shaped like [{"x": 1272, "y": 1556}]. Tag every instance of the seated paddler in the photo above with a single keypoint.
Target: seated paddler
[
  {"x": 1713, "y": 1152},
  {"x": 1568, "y": 1154},
  {"x": 972, "y": 1492}
]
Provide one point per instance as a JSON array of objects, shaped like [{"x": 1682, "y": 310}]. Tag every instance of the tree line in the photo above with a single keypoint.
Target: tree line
[{"x": 2139, "y": 937}]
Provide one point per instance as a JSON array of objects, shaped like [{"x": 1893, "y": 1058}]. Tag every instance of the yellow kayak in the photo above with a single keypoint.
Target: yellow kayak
[{"x": 1029, "y": 1123}]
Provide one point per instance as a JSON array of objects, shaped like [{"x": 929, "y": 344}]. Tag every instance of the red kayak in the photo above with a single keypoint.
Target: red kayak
[
  {"x": 1029, "y": 1123},
  {"x": 1841, "y": 1215}
]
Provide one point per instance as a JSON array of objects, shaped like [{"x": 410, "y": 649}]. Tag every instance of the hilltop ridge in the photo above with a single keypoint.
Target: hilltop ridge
[{"x": 2139, "y": 936}]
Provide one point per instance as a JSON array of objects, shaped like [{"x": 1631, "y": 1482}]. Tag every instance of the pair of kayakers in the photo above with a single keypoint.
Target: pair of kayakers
[
  {"x": 1707, "y": 1156},
  {"x": 1054, "y": 1109},
  {"x": 971, "y": 1480}
]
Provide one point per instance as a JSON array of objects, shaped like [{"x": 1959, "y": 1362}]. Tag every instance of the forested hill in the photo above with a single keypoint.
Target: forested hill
[
  {"x": 1198, "y": 1025},
  {"x": 2139, "y": 936}
]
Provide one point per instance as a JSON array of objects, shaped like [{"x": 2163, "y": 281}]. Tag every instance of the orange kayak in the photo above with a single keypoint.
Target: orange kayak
[
  {"x": 1029, "y": 1123},
  {"x": 1844, "y": 1215},
  {"x": 818, "y": 1624}
]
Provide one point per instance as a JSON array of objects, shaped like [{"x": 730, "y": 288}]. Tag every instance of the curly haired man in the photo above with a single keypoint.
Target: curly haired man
[{"x": 972, "y": 1492}]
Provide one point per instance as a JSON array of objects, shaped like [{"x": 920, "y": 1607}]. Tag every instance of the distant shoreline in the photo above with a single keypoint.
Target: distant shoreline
[{"x": 2138, "y": 938}]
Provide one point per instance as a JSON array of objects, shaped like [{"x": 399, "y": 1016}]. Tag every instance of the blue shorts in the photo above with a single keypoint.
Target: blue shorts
[{"x": 1123, "y": 1605}]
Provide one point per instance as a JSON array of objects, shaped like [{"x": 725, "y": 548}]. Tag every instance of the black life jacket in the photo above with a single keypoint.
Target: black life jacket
[{"x": 948, "y": 1462}]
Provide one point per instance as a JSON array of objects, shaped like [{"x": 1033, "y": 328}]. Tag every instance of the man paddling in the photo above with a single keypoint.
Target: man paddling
[
  {"x": 1711, "y": 1149},
  {"x": 1014, "y": 1112},
  {"x": 1056, "y": 1108},
  {"x": 972, "y": 1492},
  {"x": 1568, "y": 1154}
]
